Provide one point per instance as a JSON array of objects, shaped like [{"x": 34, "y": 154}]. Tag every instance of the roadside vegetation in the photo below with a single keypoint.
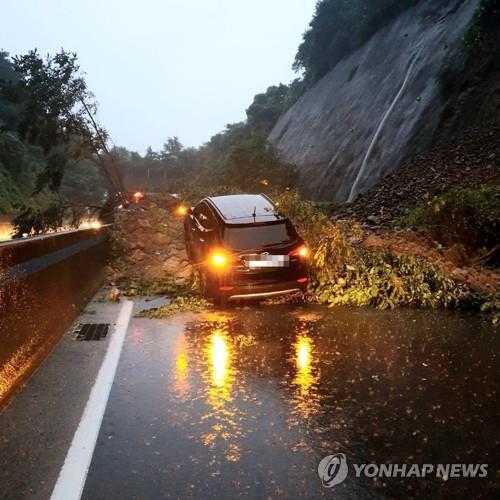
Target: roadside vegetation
[
  {"x": 478, "y": 44},
  {"x": 346, "y": 273},
  {"x": 467, "y": 217},
  {"x": 484, "y": 22}
]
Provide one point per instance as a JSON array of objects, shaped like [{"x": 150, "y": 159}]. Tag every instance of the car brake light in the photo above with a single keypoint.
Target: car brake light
[
  {"x": 302, "y": 280},
  {"x": 226, "y": 288}
]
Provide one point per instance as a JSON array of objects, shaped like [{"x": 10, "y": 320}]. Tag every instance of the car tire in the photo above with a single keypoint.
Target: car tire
[
  {"x": 208, "y": 293},
  {"x": 219, "y": 300},
  {"x": 204, "y": 289},
  {"x": 189, "y": 248}
]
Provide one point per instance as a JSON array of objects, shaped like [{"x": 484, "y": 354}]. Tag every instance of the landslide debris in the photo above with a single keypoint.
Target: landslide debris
[
  {"x": 470, "y": 160},
  {"x": 148, "y": 252}
]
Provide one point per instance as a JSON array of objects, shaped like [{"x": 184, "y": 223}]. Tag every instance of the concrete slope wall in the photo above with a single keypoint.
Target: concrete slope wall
[{"x": 376, "y": 107}]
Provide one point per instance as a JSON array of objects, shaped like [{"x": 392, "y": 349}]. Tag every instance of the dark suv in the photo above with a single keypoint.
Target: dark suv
[{"x": 245, "y": 248}]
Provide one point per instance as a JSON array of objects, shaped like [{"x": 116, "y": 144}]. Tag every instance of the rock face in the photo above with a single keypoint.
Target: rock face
[
  {"x": 376, "y": 107},
  {"x": 470, "y": 160}
]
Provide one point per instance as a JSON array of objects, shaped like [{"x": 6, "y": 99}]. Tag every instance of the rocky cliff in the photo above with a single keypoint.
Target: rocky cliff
[{"x": 378, "y": 106}]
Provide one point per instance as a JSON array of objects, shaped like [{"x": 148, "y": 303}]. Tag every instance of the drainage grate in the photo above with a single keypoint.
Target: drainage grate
[{"x": 92, "y": 331}]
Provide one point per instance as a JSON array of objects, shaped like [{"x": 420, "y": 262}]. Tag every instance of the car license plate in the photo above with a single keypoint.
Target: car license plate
[{"x": 263, "y": 261}]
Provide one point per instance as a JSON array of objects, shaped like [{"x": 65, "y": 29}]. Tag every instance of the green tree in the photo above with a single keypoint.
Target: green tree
[
  {"x": 48, "y": 124},
  {"x": 171, "y": 150},
  {"x": 254, "y": 165},
  {"x": 339, "y": 27},
  {"x": 268, "y": 106},
  {"x": 8, "y": 78},
  {"x": 54, "y": 101}
]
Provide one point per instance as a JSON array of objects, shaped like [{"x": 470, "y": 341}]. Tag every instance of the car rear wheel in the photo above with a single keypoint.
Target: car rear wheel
[
  {"x": 204, "y": 285},
  {"x": 219, "y": 300},
  {"x": 189, "y": 249},
  {"x": 208, "y": 292}
]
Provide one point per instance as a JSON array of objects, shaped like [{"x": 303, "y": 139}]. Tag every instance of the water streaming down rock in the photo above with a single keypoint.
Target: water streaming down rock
[{"x": 377, "y": 106}]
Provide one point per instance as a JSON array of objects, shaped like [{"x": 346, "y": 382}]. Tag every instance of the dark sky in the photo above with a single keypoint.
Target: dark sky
[{"x": 166, "y": 67}]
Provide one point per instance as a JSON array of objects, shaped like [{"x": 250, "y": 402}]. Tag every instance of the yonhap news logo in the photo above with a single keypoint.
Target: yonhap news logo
[{"x": 333, "y": 470}]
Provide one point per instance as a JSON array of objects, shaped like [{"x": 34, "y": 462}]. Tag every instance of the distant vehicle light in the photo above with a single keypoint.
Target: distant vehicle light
[
  {"x": 138, "y": 196},
  {"x": 302, "y": 280},
  {"x": 91, "y": 224},
  {"x": 6, "y": 231}
]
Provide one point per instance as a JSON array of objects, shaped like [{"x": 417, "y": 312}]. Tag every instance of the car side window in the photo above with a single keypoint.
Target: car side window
[{"x": 204, "y": 217}]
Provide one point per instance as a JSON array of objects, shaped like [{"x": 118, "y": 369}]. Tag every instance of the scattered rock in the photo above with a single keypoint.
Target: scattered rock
[
  {"x": 465, "y": 161},
  {"x": 151, "y": 243},
  {"x": 137, "y": 244},
  {"x": 373, "y": 219},
  {"x": 114, "y": 294},
  {"x": 172, "y": 264},
  {"x": 160, "y": 239},
  {"x": 457, "y": 255},
  {"x": 144, "y": 224},
  {"x": 138, "y": 255},
  {"x": 479, "y": 279}
]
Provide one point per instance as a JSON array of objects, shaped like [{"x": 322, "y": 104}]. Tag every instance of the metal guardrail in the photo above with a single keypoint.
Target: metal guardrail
[{"x": 45, "y": 281}]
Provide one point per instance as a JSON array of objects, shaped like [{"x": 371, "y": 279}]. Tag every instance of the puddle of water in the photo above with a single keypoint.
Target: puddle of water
[{"x": 383, "y": 387}]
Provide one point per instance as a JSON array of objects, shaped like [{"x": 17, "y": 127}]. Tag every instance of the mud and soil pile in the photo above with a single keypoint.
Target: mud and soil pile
[
  {"x": 148, "y": 245},
  {"x": 470, "y": 160},
  {"x": 452, "y": 262}
]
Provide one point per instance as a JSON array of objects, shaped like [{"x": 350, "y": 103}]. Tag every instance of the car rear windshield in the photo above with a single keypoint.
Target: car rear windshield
[{"x": 257, "y": 237}]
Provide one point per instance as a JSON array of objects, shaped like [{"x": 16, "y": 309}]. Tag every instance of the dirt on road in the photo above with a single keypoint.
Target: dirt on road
[{"x": 148, "y": 245}]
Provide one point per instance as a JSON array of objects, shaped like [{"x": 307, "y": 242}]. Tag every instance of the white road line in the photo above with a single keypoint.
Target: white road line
[{"x": 71, "y": 480}]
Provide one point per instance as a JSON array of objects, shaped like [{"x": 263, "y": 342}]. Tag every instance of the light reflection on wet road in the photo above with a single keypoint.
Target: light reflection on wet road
[{"x": 245, "y": 403}]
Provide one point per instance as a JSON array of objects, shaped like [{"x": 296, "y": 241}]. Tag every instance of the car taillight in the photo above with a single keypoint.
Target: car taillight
[
  {"x": 301, "y": 251},
  {"x": 219, "y": 260},
  {"x": 182, "y": 211}
]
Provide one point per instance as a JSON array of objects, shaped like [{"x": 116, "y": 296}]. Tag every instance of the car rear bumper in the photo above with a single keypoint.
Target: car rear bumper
[
  {"x": 255, "y": 292},
  {"x": 263, "y": 295}
]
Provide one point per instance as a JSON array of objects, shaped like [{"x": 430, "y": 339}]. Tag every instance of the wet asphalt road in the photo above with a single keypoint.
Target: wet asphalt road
[{"x": 245, "y": 403}]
